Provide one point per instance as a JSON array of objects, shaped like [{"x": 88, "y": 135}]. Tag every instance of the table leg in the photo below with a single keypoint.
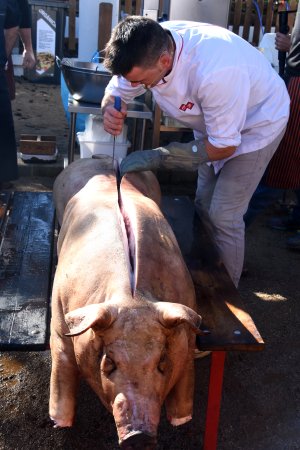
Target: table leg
[
  {"x": 71, "y": 147},
  {"x": 143, "y": 134},
  {"x": 134, "y": 126},
  {"x": 214, "y": 400}
]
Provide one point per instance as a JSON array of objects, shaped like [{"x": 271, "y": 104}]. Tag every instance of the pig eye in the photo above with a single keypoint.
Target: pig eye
[
  {"x": 109, "y": 366},
  {"x": 162, "y": 365}
]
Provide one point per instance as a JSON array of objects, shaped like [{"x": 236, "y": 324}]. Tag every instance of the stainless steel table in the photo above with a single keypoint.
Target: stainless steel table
[{"x": 136, "y": 110}]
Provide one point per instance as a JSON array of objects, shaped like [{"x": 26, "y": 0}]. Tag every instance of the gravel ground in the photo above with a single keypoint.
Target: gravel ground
[{"x": 261, "y": 396}]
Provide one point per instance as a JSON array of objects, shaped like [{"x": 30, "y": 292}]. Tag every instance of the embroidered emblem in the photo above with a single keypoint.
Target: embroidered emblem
[{"x": 188, "y": 105}]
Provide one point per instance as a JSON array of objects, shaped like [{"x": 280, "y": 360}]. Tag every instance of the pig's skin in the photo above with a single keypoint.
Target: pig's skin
[{"x": 133, "y": 341}]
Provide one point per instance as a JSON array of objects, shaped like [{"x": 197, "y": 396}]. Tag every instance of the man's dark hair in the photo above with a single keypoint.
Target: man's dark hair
[{"x": 135, "y": 41}]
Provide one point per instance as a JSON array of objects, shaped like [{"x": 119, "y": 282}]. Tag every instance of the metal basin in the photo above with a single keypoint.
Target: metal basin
[{"x": 86, "y": 81}]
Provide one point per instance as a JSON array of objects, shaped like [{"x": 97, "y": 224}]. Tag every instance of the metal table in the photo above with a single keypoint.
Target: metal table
[{"x": 136, "y": 110}]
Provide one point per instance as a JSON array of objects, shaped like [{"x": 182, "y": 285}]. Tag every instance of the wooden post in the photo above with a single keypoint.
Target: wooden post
[
  {"x": 104, "y": 27},
  {"x": 269, "y": 16},
  {"x": 128, "y": 6},
  {"x": 138, "y": 7},
  {"x": 72, "y": 25},
  {"x": 247, "y": 20},
  {"x": 237, "y": 16},
  {"x": 257, "y": 26}
]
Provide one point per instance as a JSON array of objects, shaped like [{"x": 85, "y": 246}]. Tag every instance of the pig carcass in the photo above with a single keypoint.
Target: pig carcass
[{"x": 123, "y": 304}]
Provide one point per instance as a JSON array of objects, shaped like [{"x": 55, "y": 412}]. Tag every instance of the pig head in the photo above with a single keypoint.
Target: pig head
[{"x": 123, "y": 304}]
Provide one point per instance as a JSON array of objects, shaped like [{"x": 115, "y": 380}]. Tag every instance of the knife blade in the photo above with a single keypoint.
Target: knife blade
[{"x": 117, "y": 106}]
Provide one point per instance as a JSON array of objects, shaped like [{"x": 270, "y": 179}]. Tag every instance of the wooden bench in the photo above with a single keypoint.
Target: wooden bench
[
  {"x": 230, "y": 326},
  {"x": 27, "y": 257},
  {"x": 26, "y": 249}
]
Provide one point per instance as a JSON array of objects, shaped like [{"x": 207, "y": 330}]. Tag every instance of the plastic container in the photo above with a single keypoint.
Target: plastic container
[{"x": 88, "y": 147}]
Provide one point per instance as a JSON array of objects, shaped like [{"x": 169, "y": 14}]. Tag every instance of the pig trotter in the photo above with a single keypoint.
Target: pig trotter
[{"x": 60, "y": 423}]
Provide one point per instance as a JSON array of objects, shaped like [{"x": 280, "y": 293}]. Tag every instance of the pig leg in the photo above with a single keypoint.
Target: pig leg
[
  {"x": 179, "y": 402},
  {"x": 64, "y": 381}
]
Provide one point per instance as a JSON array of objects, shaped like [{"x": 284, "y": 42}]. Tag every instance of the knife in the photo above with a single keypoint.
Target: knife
[{"x": 117, "y": 106}]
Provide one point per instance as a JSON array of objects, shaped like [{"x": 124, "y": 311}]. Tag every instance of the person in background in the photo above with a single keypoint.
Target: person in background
[
  {"x": 9, "y": 20},
  {"x": 216, "y": 83},
  {"x": 283, "y": 171},
  {"x": 25, "y": 36},
  {"x": 13, "y": 13},
  {"x": 284, "y": 168}
]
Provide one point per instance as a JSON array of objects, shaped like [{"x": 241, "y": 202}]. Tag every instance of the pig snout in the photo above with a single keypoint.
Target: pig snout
[
  {"x": 138, "y": 440},
  {"x": 136, "y": 420}
]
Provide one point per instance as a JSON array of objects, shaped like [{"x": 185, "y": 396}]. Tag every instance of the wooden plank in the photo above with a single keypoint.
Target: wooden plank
[
  {"x": 25, "y": 272},
  {"x": 128, "y": 6},
  {"x": 269, "y": 16},
  {"x": 105, "y": 23},
  {"x": 247, "y": 20},
  {"x": 138, "y": 7},
  {"x": 223, "y": 312},
  {"x": 160, "y": 8},
  {"x": 72, "y": 24},
  {"x": 237, "y": 16},
  {"x": 257, "y": 24},
  {"x": 4, "y": 201}
]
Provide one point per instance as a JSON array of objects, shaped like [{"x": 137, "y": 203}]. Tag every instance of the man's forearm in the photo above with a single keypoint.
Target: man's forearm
[
  {"x": 28, "y": 54},
  {"x": 215, "y": 153},
  {"x": 25, "y": 35},
  {"x": 107, "y": 100},
  {"x": 11, "y": 35}
]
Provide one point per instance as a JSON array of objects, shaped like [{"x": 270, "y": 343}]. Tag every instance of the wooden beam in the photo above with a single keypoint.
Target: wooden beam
[
  {"x": 25, "y": 271},
  {"x": 138, "y": 7},
  {"x": 105, "y": 23},
  {"x": 247, "y": 20},
  {"x": 269, "y": 16},
  {"x": 72, "y": 24},
  {"x": 128, "y": 6},
  {"x": 257, "y": 24},
  {"x": 237, "y": 16}
]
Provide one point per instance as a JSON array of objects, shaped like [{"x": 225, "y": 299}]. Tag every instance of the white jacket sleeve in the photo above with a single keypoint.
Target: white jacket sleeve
[{"x": 119, "y": 86}]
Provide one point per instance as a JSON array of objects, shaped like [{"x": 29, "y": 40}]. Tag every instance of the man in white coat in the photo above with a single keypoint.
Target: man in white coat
[{"x": 216, "y": 83}]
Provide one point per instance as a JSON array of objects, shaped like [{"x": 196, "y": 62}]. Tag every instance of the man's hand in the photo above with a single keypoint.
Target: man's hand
[
  {"x": 113, "y": 120},
  {"x": 28, "y": 59},
  {"x": 282, "y": 42}
]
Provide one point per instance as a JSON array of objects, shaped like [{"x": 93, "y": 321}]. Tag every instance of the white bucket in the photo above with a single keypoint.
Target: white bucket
[{"x": 89, "y": 147}]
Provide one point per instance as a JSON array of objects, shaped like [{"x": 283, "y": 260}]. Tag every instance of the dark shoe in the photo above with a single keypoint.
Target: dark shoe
[
  {"x": 293, "y": 243},
  {"x": 284, "y": 223}
]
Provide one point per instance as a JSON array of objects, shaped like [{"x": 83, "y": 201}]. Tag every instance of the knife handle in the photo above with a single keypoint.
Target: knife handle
[{"x": 118, "y": 103}]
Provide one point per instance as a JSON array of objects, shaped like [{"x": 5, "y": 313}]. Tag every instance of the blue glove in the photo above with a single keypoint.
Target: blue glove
[{"x": 174, "y": 156}]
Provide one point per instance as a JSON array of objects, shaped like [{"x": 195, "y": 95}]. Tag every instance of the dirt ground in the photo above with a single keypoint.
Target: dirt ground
[{"x": 261, "y": 396}]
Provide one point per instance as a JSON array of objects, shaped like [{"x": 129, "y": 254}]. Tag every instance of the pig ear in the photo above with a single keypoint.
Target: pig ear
[
  {"x": 172, "y": 314},
  {"x": 81, "y": 319}
]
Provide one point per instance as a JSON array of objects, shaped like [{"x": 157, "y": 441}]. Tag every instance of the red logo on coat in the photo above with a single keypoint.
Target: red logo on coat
[{"x": 188, "y": 105}]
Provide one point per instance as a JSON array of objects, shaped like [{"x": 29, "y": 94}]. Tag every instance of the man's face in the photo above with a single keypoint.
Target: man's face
[{"x": 150, "y": 77}]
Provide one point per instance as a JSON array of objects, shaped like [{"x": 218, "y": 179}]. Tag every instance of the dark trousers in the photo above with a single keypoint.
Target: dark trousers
[{"x": 8, "y": 148}]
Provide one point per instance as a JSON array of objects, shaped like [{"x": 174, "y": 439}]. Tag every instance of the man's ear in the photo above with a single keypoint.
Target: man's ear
[{"x": 165, "y": 59}]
